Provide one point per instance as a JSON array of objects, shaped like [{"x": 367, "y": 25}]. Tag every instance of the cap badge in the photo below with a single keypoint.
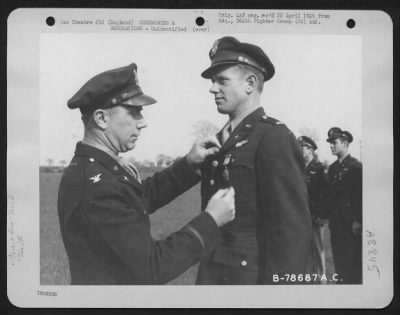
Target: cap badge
[
  {"x": 95, "y": 178},
  {"x": 214, "y": 48},
  {"x": 135, "y": 76},
  {"x": 243, "y": 59}
]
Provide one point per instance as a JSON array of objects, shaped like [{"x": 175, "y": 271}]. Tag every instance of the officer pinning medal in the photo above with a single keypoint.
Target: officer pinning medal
[{"x": 104, "y": 206}]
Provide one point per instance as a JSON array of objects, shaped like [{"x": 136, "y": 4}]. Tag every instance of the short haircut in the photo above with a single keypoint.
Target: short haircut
[
  {"x": 87, "y": 119},
  {"x": 248, "y": 70}
]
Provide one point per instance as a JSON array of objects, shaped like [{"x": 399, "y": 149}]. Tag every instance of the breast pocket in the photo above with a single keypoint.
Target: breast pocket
[{"x": 242, "y": 175}]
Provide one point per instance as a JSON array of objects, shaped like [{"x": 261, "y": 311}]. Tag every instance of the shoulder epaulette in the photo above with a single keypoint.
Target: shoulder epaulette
[
  {"x": 354, "y": 162},
  {"x": 270, "y": 120}
]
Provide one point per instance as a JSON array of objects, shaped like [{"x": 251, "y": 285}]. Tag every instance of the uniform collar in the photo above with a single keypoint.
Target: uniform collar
[
  {"x": 236, "y": 122},
  {"x": 106, "y": 160},
  {"x": 346, "y": 158},
  {"x": 243, "y": 129}
]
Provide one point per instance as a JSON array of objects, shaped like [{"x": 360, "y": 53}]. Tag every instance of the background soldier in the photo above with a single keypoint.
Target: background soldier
[
  {"x": 345, "y": 211},
  {"x": 316, "y": 186},
  {"x": 271, "y": 235},
  {"x": 104, "y": 209}
]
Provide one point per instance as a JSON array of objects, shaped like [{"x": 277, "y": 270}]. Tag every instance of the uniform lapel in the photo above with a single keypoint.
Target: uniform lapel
[
  {"x": 108, "y": 162},
  {"x": 127, "y": 178},
  {"x": 242, "y": 131}
]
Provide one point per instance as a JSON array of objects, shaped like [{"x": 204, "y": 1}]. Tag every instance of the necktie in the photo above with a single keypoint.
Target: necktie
[
  {"x": 136, "y": 173},
  {"x": 226, "y": 132},
  {"x": 130, "y": 168}
]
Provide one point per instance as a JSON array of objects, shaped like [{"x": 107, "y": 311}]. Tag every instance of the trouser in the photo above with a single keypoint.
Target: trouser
[
  {"x": 320, "y": 255},
  {"x": 213, "y": 273},
  {"x": 347, "y": 256}
]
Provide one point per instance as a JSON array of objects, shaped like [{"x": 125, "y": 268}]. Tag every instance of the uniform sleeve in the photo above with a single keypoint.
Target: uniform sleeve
[
  {"x": 283, "y": 205},
  {"x": 164, "y": 186},
  {"x": 329, "y": 196},
  {"x": 126, "y": 232},
  {"x": 355, "y": 191}
]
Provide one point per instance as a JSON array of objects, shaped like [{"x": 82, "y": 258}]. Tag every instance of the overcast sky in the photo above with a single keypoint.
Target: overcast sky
[{"x": 317, "y": 85}]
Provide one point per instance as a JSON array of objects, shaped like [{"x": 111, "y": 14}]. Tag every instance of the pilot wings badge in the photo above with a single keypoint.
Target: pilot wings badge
[{"x": 95, "y": 178}]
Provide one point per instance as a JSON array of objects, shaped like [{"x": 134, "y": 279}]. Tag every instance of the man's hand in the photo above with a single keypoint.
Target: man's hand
[
  {"x": 201, "y": 150},
  {"x": 222, "y": 206}
]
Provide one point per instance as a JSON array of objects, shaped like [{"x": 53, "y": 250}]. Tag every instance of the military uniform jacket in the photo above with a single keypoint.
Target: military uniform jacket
[
  {"x": 104, "y": 218},
  {"x": 271, "y": 232},
  {"x": 345, "y": 193},
  {"x": 317, "y": 188}
]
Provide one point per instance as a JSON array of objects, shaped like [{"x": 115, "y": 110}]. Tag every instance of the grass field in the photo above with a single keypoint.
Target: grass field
[{"x": 54, "y": 269}]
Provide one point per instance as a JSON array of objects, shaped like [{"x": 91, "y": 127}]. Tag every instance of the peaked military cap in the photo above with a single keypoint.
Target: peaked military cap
[
  {"x": 336, "y": 132},
  {"x": 306, "y": 141},
  {"x": 229, "y": 51},
  {"x": 111, "y": 88}
]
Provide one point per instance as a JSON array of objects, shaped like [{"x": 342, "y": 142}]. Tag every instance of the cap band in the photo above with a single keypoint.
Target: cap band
[
  {"x": 134, "y": 90},
  {"x": 232, "y": 57}
]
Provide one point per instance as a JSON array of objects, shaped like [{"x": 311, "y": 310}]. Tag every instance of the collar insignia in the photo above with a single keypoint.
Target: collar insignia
[
  {"x": 95, "y": 178},
  {"x": 241, "y": 143}
]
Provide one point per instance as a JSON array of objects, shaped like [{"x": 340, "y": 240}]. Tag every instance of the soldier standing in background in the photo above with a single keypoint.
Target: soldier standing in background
[
  {"x": 345, "y": 208},
  {"x": 316, "y": 186},
  {"x": 260, "y": 157}
]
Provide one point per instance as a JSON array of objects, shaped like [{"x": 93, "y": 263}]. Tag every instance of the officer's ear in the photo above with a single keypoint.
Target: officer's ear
[
  {"x": 251, "y": 81},
  {"x": 101, "y": 118}
]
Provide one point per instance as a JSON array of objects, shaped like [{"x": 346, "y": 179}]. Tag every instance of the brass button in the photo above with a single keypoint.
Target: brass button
[
  {"x": 91, "y": 160},
  {"x": 115, "y": 168},
  {"x": 214, "y": 163},
  {"x": 244, "y": 263},
  {"x": 212, "y": 182}
]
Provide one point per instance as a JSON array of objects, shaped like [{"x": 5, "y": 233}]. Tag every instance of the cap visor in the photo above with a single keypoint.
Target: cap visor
[
  {"x": 214, "y": 69},
  {"x": 139, "y": 100}
]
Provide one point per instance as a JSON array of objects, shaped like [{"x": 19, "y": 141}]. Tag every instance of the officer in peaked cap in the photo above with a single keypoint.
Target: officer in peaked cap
[
  {"x": 316, "y": 187},
  {"x": 345, "y": 208},
  {"x": 271, "y": 234},
  {"x": 109, "y": 89},
  {"x": 104, "y": 207}
]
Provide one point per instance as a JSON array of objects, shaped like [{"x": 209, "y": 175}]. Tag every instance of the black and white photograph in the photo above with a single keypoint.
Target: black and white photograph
[{"x": 200, "y": 152}]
